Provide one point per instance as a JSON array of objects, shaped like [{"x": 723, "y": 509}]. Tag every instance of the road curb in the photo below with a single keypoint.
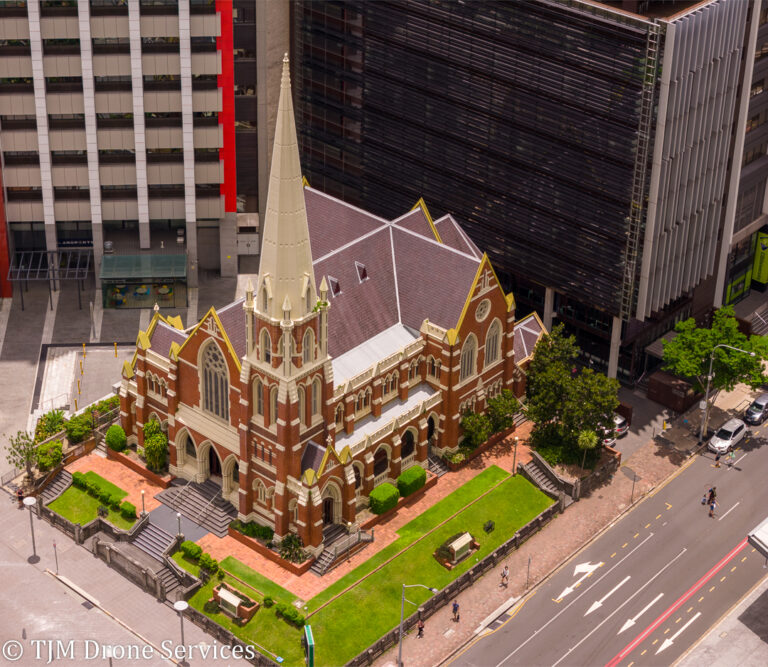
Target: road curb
[
  {"x": 496, "y": 613},
  {"x": 648, "y": 494}
]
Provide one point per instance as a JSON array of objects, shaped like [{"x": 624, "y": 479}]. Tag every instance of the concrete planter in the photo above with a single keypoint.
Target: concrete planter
[
  {"x": 163, "y": 481},
  {"x": 493, "y": 440},
  {"x": 244, "y": 612},
  {"x": 370, "y": 523},
  {"x": 295, "y": 568}
]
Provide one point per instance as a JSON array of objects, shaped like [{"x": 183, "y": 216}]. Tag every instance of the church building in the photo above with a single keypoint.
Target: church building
[{"x": 351, "y": 358}]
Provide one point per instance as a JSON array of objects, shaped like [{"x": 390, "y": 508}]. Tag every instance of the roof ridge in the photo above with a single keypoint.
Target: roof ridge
[
  {"x": 436, "y": 244},
  {"x": 384, "y": 221},
  {"x": 348, "y": 244},
  {"x": 394, "y": 274}
]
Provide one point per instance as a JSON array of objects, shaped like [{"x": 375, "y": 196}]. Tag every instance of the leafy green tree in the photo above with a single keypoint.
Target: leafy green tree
[
  {"x": 589, "y": 406},
  {"x": 689, "y": 353},
  {"x": 49, "y": 455},
  {"x": 587, "y": 441},
  {"x": 116, "y": 438},
  {"x": 502, "y": 410},
  {"x": 477, "y": 429},
  {"x": 21, "y": 451},
  {"x": 155, "y": 450}
]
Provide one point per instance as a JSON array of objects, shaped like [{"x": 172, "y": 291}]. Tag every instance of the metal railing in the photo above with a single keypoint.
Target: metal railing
[{"x": 343, "y": 545}]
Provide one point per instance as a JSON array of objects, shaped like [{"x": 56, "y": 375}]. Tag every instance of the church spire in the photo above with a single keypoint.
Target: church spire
[{"x": 286, "y": 257}]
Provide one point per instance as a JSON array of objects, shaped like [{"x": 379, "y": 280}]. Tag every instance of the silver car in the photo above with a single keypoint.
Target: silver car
[{"x": 728, "y": 436}]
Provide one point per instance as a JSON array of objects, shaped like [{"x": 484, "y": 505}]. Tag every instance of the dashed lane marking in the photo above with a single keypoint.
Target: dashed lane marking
[
  {"x": 658, "y": 516},
  {"x": 624, "y": 545},
  {"x": 711, "y": 589},
  {"x": 666, "y": 631},
  {"x": 635, "y": 536},
  {"x": 743, "y": 559},
  {"x": 688, "y": 611},
  {"x": 733, "y": 568},
  {"x": 701, "y": 598},
  {"x": 647, "y": 525},
  {"x": 680, "y": 618},
  {"x": 613, "y": 554},
  {"x": 722, "y": 579}
]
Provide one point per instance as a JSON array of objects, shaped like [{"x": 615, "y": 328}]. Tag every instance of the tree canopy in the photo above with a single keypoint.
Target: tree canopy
[
  {"x": 21, "y": 451},
  {"x": 688, "y": 354},
  {"x": 564, "y": 401}
]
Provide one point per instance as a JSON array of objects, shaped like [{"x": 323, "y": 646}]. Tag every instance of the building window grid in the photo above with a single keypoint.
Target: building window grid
[{"x": 215, "y": 382}]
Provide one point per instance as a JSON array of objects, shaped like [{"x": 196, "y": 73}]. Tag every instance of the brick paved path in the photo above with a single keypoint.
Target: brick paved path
[
  {"x": 308, "y": 585},
  {"x": 547, "y": 549}
]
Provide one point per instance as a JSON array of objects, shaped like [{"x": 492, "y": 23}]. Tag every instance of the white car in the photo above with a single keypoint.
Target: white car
[
  {"x": 620, "y": 428},
  {"x": 728, "y": 436}
]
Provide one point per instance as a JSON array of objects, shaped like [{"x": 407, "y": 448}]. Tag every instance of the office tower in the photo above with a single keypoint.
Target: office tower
[{"x": 585, "y": 146}]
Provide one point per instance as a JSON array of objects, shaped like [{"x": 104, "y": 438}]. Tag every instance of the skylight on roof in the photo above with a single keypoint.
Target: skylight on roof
[
  {"x": 362, "y": 272},
  {"x": 335, "y": 286}
]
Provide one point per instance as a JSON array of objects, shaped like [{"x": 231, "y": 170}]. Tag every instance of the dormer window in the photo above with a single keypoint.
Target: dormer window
[
  {"x": 335, "y": 286},
  {"x": 362, "y": 272}
]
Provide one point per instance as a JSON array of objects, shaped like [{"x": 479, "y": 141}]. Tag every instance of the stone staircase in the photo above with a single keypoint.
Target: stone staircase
[
  {"x": 152, "y": 540},
  {"x": 169, "y": 581},
  {"x": 437, "y": 465},
  {"x": 330, "y": 535},
  {"x": 540, "y": 478},
  {"x": 760, "y": 321},
  {"x": 56, "y": 487},
  {"x": 202, "y": 503}
]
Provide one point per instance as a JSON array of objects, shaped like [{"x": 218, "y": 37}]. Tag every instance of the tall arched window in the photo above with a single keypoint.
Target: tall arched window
[
  {"x": 308, "y": 346},
  {"x": 260, "y": 491},
  {"x": 264, "y": 300},
  {"x": 293, "y": 510},
  {"x": 468, "y": 357},
  {"x": 492, "y": 341},
  {"x": 215, "y": 382},
  {"x": 258, "y": 397},
  {"x": 273, "y": 405},
  {"x": 316, "y": 391},
  {"x": 266, "y": 346},
  {"x": 302, "y": 406},
  {"x": 308, "y": 298},
  {"x": 340, "y": 416},
  {"x": 407, "y": 444}
]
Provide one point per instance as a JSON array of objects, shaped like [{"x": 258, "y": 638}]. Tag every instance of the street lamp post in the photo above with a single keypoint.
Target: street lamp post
[
  {"x": 143, "y": 511},
  {"x": 705, "y": 421},
  {"x": 514, "y": 459},
  {"x": 178, "y": 521},
  {"x": 402, "y": 614},
  {"x": 181, "y": 606},
  {"x": 30, "y": 502}
]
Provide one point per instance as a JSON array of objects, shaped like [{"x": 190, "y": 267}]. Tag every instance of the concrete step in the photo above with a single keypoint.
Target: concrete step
[
  {"x": 153, "y": 540},
  {"x": 57, "y": 486},
  {"x": 203, "y": 504}
]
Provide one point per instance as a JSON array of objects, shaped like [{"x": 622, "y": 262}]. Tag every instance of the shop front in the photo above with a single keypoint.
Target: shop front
[{"x": 141, "y": 281}]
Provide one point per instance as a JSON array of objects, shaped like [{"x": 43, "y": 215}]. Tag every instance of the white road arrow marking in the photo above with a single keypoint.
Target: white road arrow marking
[
  {"x": 599, "y": 603},
  {"x": 584, "y": 569},
  {"x": 668, "y": 642},
  {"x": 630, "y": 622}
]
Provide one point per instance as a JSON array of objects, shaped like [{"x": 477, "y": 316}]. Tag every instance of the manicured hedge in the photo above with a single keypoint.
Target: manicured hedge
[
  {"x": 116, "y": 438},
  {"x": 78, "y": 480},
  {"x": 252, "y": 529},
  {"x": 383, "y": 498},
  {"x": 191, "y": 550},
  {"x": 411, "y": 480},
  {"x": 128, "y": 510},
  {"x": 290, "y": 614},
  {"x": 207, "y": 562}
]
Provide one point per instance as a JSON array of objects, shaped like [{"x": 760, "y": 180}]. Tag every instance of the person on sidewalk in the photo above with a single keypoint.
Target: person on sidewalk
[
  {"x": 717, "y": 460},
  {"x": 456, "y": 611},
  {"x": 712, "y": 506},
  {"x": 420, "y": 626},
  {"x": 712, "y": 495},
  {"x": 504, "y": 577},
  {"x": 20, "y": 497},
  {"x": 731, "y": 458}
]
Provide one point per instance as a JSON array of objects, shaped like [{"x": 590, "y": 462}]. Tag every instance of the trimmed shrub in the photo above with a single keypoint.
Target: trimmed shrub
[
  {"x": 114, "y": 503},
  {"x": 211, "y": 607},
  {"x": 383, "y": 498},
  {"x": 78, "y": 480},
  {"x": 128, "y": 510},
  {"x": 92, "y": 488},
  {"x": 268, "y": 602},
  {"x": 155, "y": 450},
  {"x": 116, "y": 438},
  {"x": 152, "y": 428},
  {"x": 290, "y": 614},
  {"x": 48, "y": 455},
  {"x": 251, "y": 529},
  {"x": 411, "y": 480},
  {"x": 207, "y": 562},
  {"x": 105, "y": 497},
  {"x": 78, "y": 428},
  {"x": 190, "y": 550}
]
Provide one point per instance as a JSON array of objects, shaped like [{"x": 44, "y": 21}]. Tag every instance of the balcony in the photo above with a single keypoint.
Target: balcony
[{"x": 109, "y": 7}]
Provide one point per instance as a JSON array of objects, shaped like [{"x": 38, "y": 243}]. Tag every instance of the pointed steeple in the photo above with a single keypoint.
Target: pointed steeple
[{"x": 286, "y": 257}]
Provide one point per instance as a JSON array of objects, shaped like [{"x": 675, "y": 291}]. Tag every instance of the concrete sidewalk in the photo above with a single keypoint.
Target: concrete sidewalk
[{"x": 650, "y": 466}]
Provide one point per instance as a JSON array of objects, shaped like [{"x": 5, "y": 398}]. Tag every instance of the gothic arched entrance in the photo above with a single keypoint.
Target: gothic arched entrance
[
  {"x": 214, "y": 465},
  {"x": 431, "y": 432}
]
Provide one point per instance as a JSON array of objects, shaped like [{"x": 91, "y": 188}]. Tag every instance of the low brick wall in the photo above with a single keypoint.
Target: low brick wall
[
  {"x": 609, "y": 464},
  {"x": 164, "y": 481},
  {"x": 416, "y": 495},
  {"x": 259, "y": 548},
  {"x": 493, "y": 440}
]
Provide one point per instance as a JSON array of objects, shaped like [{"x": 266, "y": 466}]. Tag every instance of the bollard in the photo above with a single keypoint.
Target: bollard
[
  {"x": 83, "y": 350},
  {"x": 75, "y": 405},
  {"x": 115, "y": 350}
]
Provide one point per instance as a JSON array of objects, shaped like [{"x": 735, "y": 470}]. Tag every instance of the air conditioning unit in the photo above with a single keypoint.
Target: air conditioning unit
[
  {"x": 180, "y": 236},
  {"x": 109, "y": 248}
]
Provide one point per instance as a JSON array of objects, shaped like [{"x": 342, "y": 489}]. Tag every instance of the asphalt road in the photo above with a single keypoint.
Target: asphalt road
[{"x": 651, "y": 585}]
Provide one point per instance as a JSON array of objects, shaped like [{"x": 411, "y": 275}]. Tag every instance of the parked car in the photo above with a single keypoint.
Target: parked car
[
  {"x": 620, "y": 429},
  {"x": 757, "y": 413},
  {"x": 728, "y": 436}
]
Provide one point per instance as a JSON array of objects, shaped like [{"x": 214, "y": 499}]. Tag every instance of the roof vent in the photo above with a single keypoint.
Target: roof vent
[
  {"x": 362, "y": 272},
  {"x": 333, "y": 283}
]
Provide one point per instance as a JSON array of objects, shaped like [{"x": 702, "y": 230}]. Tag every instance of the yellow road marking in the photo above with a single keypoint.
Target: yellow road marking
[
  {"x": 679, "y": 619},
  {"x": 625, "y": 544},
  {"x": 701, "y": 598},
  {"x": 658, "y": 516},
  {"x": 711, "y": 589},
  {"x": 722, "y": 579},
  {"x": 655, "y": 641},
  {"x": 613, "y": 554},
  {"x": 743, "y": 559},
  {"x": 578, "y": 583},
  {"x": 733, "y": 568},
  {"x": 688, "y": 611},
  {"x": 647, "y": 525},
  {"x": 636, "y": 534},
  {"x": 666, "y": 631},
  {"x": 669, "y": 507},
  {"x": 645, "y": 650},
  {"x": 631, "y": 663}
]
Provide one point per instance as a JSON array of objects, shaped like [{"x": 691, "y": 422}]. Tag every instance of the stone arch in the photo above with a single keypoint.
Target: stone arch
[
  {"x": 214, "y": 379},
  {"x": 204, "y": 460},
  {"x": 433, "y": 421},
  {"x": 302, "y": 397},
  {"x": 359, "y": 470},
  {"x": 332, "y": 502},
  {"x": 317, "y": 396},
  {"x": 493, "y": 343},
  {"x": 265, "y": 346},
  {"x": 185, "y": 455},
  {"x": 381, "y": 459},
  {"x": 408, "y": 442},
  {"x": 308, "y": 346},
  {"x": 468, "y": 358},
  {"x": 230, "y": 477},
  {"x": 340, "y": 415},
  {"x": 293, "y": 511}
]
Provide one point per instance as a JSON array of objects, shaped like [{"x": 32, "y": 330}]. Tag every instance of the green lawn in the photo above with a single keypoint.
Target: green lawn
[
  {"x": 343, "y": 629},
  {"x": 78, "y": 507},
  {"x": 357, "y": 618},
  {"x": 185, "y": 564}
]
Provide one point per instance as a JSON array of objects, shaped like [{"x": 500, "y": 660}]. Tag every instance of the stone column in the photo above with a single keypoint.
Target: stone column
[
  {"x": 395, "y": 463},
  {"x": 348, "y": 500},
  {"x": 376, "y": 397}
]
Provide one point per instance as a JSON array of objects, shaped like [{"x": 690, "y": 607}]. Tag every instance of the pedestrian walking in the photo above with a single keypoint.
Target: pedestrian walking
[
  {"x": 456, "y": 611},
  {"x": 420, "y": 626},
  {"x": 717, "y": 460},
  {"x": 712, "y": 506},
  {"x": 712, "y": 495},
  {"x": 504, "y": 577},
  {"x": 20, "y": 497},
  {"x": 731, "y": 458}
]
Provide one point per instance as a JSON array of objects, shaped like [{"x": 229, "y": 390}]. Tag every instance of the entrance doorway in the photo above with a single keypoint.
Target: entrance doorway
[
  {"x": 214, "y": 465},
  {"x": 327, "y": 511},
  {"x": 431, "y": 427}
]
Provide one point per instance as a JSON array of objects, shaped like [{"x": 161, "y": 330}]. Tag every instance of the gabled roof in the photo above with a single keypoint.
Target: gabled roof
[
  {"x": 455, "y": 237},
  {"x": 528, "y": 331},
  {"x": 227, "y": 342}
]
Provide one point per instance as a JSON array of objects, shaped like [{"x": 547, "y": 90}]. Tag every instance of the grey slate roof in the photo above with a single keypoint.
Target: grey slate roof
[
  {"x": 415, "y": 221},
  {"x": 312, "y": 456},
  {"x": 527, "y": 333},
  {"x": 163, "y": 336},
  {"x": 453, "y": 235},
  {"x": 232, "y": 318}
]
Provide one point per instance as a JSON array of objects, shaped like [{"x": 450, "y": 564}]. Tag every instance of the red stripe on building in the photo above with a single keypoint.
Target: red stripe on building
[
  {"x": 226, "y": 81},
  {"x": 6, "y": 289}
]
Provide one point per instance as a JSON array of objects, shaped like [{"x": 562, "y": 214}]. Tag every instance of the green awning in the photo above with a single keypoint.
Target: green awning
[{"x": 143, "y": 267}]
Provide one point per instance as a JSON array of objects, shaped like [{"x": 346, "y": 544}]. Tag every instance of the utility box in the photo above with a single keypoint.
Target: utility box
[
  {"x": 460, "y": 547},
  {"x": 672, "y": 392},
  {"x": 308, "y": 642}
]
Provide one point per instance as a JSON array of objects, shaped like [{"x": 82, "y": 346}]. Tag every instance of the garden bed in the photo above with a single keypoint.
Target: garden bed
[
  {"x": 77, "y": 506},
  {"x": 163, "y": 481},
  {"x": 416, "y": 495},
  {"x": 252, "y": 543},
  {"x": 493, "y": 440}
]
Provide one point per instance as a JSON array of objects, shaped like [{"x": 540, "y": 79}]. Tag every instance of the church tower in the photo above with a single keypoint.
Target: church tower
[{"x": 286, "y": 321}]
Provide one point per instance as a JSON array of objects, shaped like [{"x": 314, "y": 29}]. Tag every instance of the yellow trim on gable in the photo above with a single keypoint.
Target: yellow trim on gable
[
  {"x": 173, "y": 321},
  {"x": 127, "y": 370},
  {"x": 423, "y": 206},
  {"x": 309, "y": 477},
  {"x": 323, "y": 463},
  {"x": 544, "y": 332},
  {"x": 483, "y": 261},
  {"x": 142, "y": 340},
  {"x": 212, "y": 313},
  {"x": 305, "y": 182}
]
